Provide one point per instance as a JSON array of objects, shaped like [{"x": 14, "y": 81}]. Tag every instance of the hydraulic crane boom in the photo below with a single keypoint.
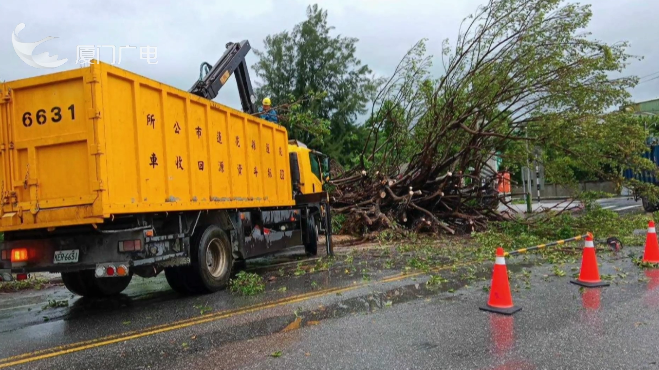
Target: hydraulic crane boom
[{"x": 211, "y": 79}]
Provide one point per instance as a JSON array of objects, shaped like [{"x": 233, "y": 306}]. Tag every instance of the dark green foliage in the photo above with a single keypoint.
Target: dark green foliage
[{"x": 310, "y": 60}]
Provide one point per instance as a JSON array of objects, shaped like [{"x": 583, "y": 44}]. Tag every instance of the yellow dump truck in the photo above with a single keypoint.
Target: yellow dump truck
[{"x": 106, "y": 174}]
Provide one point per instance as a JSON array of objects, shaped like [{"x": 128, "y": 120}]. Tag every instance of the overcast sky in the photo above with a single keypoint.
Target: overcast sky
[{"x": 189, "y": 32}]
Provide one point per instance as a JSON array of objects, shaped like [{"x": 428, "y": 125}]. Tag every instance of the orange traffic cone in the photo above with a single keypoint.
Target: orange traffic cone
[
  {"x": 501, "y": 301},
  {"x": 589, "y": 276},
  {"x": 651, "y": 254}
]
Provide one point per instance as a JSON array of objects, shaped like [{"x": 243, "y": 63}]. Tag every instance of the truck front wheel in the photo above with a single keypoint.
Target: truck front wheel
[{"x": 85, "y": 283}]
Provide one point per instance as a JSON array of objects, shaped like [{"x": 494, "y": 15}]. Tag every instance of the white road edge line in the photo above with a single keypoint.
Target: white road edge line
[
  {"x": 608, "y": 207},
  {"x": 624, "y": 208}
]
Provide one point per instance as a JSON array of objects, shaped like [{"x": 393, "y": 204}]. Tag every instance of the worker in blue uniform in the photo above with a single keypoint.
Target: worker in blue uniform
[{"x": 269, "y": 114}]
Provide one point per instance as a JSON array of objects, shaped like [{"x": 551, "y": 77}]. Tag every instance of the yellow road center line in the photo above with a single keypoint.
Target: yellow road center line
[
  {"x": 104, "y": 341},
  {"x": 235, "y": 311}
]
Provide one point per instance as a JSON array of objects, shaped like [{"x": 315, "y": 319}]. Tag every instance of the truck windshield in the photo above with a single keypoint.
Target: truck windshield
[
  {"x": 325, "y": 167},
  {"x": 315, "y": 165}
]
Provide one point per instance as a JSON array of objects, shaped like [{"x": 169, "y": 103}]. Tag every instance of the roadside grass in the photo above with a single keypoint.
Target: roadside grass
[
  {"x": 247, "y": 284},
  {"x": 16, "y": 285},
  {"x": 426, "y": 253},
  {"x": 601, "y": 222}
]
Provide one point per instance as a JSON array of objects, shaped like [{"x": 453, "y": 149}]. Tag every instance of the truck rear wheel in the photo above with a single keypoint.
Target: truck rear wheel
[
  {"x": 211, "y": 260},
  {"x": 311, "y": 236},
  {"x": 112, "y": 286},
  {"x": 85, "y": 283},
  {"x": 176, "y": 278},
  {"x": 79, "y": 282}
]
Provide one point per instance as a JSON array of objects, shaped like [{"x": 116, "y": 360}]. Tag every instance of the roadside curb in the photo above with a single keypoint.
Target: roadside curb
[
  {"x": 50, "y": 278},
  {"x": 56, "y": 281},
  {"x": 567, "y": 198}
]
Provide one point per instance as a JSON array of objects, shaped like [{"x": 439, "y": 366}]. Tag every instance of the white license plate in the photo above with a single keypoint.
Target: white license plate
[{"x": 70, "y": 256}]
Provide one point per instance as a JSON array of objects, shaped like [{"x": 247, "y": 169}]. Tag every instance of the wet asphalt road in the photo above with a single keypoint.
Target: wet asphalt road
[
  {"x": 621, "y": 204},
  {"x": 349, "y": 323}
]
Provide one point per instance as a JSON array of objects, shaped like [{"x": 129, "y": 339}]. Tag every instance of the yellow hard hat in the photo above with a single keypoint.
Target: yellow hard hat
[{"x": 267, "y": 101}]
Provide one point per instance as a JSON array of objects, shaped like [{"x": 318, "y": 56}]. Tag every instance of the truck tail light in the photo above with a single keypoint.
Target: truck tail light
[
  {"x": 112, "y": 269},
  {"x": 122, "y": 270},
  {"x": 130, "y": 245},
  {"x": 19, "y": 255},
  {"x": 20, "y": 277}
]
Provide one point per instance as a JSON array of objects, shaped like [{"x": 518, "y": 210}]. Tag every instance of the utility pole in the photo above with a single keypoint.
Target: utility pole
[
  {"x": 538, "y": 175},
  {"x": 537, "y": 179},
  {"x": 529, "y": 208}
]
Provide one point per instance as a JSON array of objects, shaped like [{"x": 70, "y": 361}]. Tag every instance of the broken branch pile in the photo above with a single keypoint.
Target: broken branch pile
[{"x": 442, "y": 204}]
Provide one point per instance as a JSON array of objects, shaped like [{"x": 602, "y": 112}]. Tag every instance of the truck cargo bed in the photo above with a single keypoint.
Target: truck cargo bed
[{"x": 81, "y": 146}]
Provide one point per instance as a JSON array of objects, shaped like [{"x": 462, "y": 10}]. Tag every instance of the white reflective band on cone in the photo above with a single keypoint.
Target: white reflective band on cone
[
  {"x": 500, "y": 261},
  {"x": 589, "y": 244},
  {"x": 652, "y": 230}
]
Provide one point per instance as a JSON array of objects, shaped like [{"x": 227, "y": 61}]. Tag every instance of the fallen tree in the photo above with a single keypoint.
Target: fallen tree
[{"x": 521, "y": 75}]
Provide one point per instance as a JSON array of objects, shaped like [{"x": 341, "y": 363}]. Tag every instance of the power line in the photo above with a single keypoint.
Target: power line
[
  {"x": 651, "y": 74},
  {"x": 653, "y": 78}
]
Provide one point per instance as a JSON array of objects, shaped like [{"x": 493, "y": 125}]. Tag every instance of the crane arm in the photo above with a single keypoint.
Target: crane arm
[{"x": 212, "y": 79}]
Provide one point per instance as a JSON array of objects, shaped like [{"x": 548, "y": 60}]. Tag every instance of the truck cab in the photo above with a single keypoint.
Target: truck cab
[{"x": 312, "y": 168}]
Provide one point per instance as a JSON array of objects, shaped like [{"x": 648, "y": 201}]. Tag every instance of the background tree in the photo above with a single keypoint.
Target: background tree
[
  {"x": 308, "y": 61},
  {"x": 597, "y": 148}
]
